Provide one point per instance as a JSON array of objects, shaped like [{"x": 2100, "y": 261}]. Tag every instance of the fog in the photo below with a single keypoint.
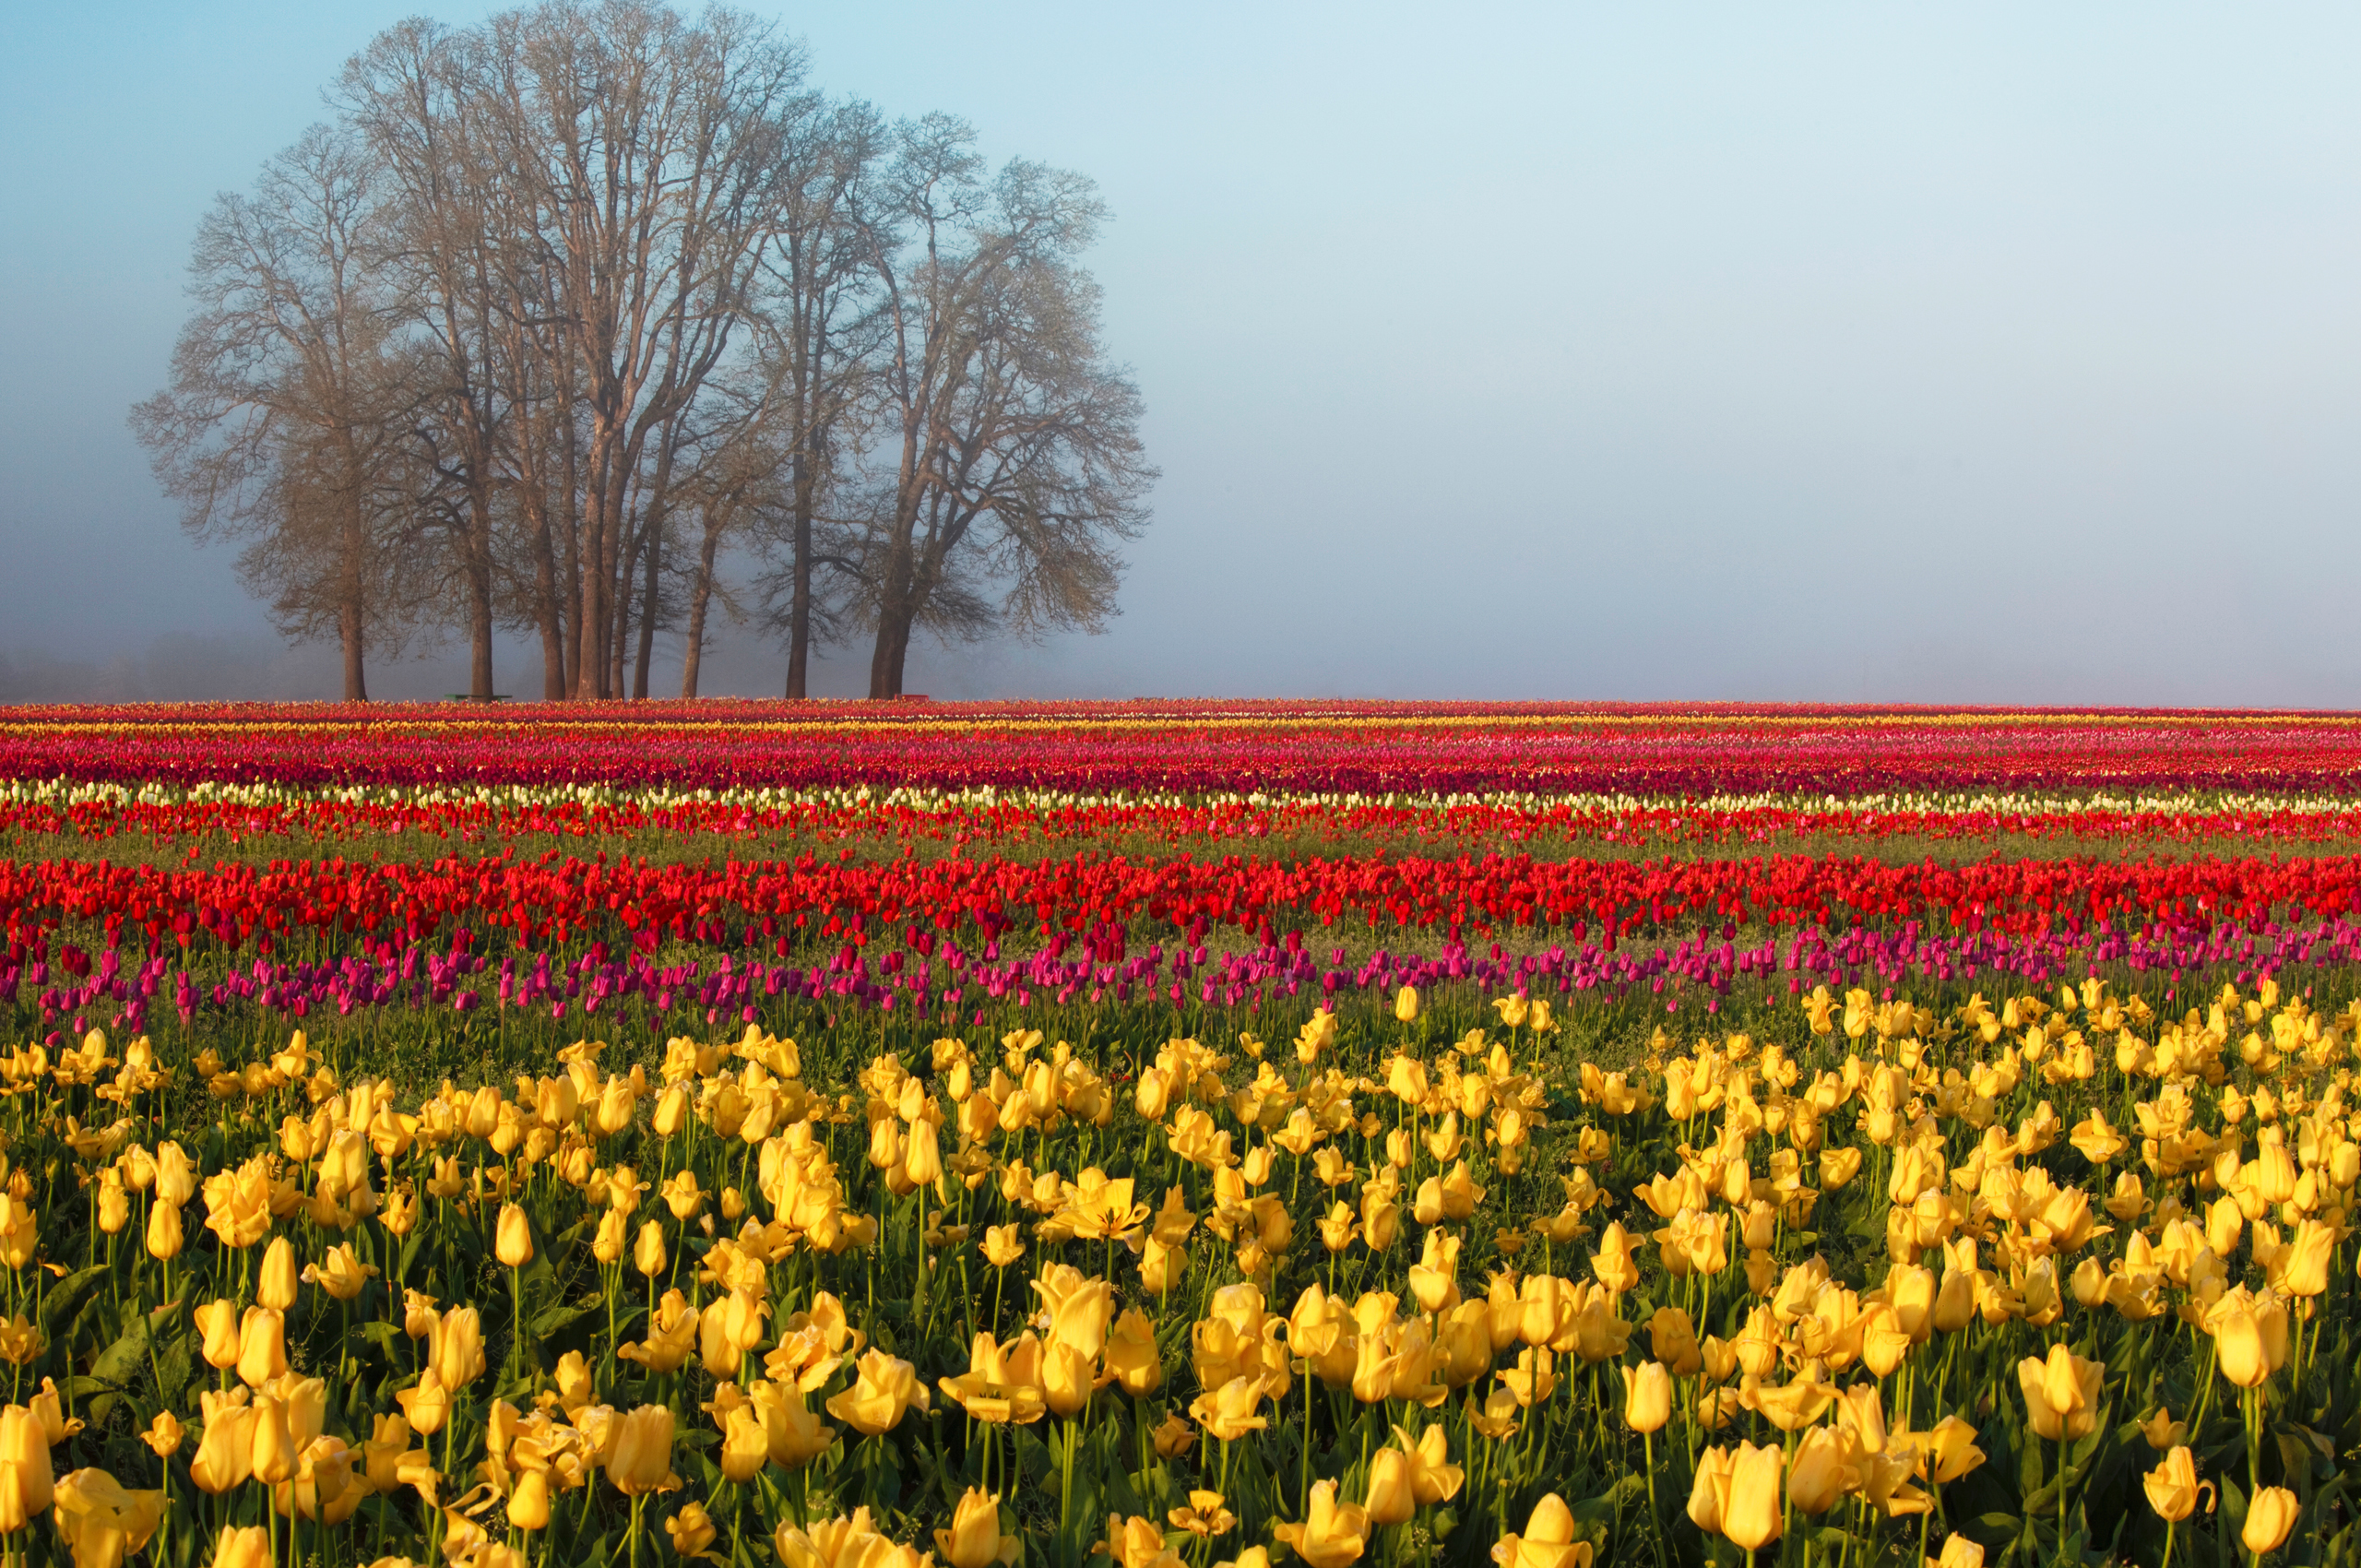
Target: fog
[{"x": 2005, "y": 353}]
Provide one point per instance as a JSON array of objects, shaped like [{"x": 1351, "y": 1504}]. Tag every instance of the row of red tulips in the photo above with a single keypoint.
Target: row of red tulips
[
  {"x": 1103, "y": 902},
  {"x": 1365, "y": 747}
]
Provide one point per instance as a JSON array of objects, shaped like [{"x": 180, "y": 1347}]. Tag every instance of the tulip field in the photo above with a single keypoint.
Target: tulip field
[{"x": 1162, "y": 1136}]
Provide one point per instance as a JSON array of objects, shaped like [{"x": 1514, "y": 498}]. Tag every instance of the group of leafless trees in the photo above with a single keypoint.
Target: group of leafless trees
[{"x": 557, "y": 317}]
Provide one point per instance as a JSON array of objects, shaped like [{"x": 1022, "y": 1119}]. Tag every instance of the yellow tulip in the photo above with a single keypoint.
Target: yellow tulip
[
  {"x": 529, "y": 1502},
  {"x": 1647, "y": 1397},
  {"x": 1821, "y": 1472},
  {"x": 1131, "y": 1356},
  {"x": 275, "y": 1281},
  {"x": 692, "y": 1530},
  {"x": 2173, "y": 1486},
  {"x": 1405, "y": 1005},
  {"x": 425, "y": 1404},
  {"x": 1388, "y": 1499},
  {"x": 457, "y": 1349},
  {"x": 2270, "y": 1519},
  {"x": 2061, "y": 1394},
  {"x": 274, "y": 1453},
  {"x": 513, "y": 1237},
  {"x": 1547, "y": 1541},
  {"x": 242, "y": 1547},
  {"x": 1227, "y": 1413},
  {"x": 101, "y": 1521},
  {"x": 1331, "y": 1534},
  {"x": 642, "y": 1461},
  {"x": 974, "y": 1540},
  {"x": 1736, "y": 1494},
  {"x": 164, "y": 1435},
  {"x": 225, "y": 1450},
  {"x": 340, "y": 1273},
  {"x": 885, "y": 1387},
  {"x": 164, "y": 1231},
  {"x": 262, "y": 1345}
]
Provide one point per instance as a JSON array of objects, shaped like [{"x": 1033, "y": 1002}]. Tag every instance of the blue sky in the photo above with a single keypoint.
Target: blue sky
[{"x": 2000, "y": 353}]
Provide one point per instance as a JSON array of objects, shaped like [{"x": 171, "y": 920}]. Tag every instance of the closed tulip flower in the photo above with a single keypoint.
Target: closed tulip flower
[
  {"x": 2300, "y": 1266},
  {"x": 26, "y": 1480},
  {"x": 458, "y": 1348},
  {"x": 1132, "y": 1355},
  {"x": 1388, "y": 1499},
  {"x": 529, "y": 1502},
  {"x": 1709, "y": 1488},
  {"x": 262, "y": 1345},
  {"x": 217, "y": 1327},
  {"x": 1647, "y": 1397},
  {"x": 225, "y": 1450},
  {"x": 275, "y": 1282},
  {"x": 1066, "y": 1381},
  {"x": 1331, "y": 1534},
  {"x": 2270, "y": 1519},
  {"x": 974, "y": 1540},
  {"x": 513, "y": 1238},
  {"x": 275, "y": 1457},
  {"x": 1736, "y": 1495},
  {"x": 242, "y": 1547},
  {"x": 642, "y": 1461},
  {"x": 164, "y": 1231},
  {"x": 1821, "y": 1473}
]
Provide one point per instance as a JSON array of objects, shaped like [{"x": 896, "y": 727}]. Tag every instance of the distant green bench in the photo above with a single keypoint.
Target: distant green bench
[{"x": 471, "y": 696}]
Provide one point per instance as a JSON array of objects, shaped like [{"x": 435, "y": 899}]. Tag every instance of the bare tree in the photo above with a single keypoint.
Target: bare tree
[
  {"x": 1018, "y": 463},
  {"x": 281, "y": 423},
  {"x": 571, "y": 310},
  {"x": 820, "y": 332},
  {"x": 644, "y": 150}
]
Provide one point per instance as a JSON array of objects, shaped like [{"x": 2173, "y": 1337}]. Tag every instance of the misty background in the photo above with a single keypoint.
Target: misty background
[{"x": 1695, "y": 351}]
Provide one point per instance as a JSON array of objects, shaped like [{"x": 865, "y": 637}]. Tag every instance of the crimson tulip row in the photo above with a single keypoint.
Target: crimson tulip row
[
  {"x": 1370, "y": 748},
  {"x": 96, "y": 944}
]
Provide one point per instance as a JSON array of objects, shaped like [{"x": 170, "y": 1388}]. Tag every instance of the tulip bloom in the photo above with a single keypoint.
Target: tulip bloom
[
  {"x": 2270, "y": 1519},
  {"x": 1647, "y": 1397},
  {"x": 642, "y": 1461},
  {"x": 2061, "y": 1394},
  {"x": 885, "y": 1388},
  {"x": 2173, "y": 1486},
  {"x": 1821, "y": 1473},
  {"x": 1737, "y": 1495},
  {"x": 1388, "y": 1499},
  {"x": 242, "y": 1547},
  {"x": 100, "y": 1520},
  {"x": 1547, "y": 1541},
  {"x": 513, "y": 1238},
  {"x": 974, "y": 1540},
  {"x": 1331, "y": 1534}
]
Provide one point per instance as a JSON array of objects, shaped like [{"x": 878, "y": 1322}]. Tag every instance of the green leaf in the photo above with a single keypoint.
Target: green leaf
[{"x": 561, "y": 1317}]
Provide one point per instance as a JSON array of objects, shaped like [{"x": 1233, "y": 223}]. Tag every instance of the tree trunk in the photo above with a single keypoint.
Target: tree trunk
[
  {"x": 356, "y": 685},
  {"x": 700, "y": 596},
  {"x": 480, "y": 621},
  {"x": 798, "y": 622},
  {"x": 653, "y": 550},
  {"x": 546, "y": 607}
]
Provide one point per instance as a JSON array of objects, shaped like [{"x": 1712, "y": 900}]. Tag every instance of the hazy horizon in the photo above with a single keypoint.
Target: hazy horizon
[{"x": 1698, "y": 352}]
